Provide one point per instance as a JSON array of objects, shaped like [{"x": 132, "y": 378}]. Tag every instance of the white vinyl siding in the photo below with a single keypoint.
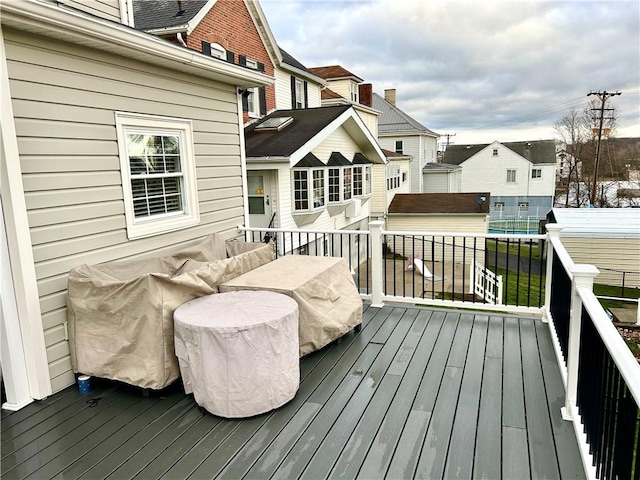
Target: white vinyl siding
[
  {"x": 107, "y": 9},
  {"x": 64, "y": 102},
  {"x": 283, "y": 91},
  {"x": 476, "y": 177}
]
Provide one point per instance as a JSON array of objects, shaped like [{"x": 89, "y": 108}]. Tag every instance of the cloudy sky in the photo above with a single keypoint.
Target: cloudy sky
[{"x": 484, "y": 70}]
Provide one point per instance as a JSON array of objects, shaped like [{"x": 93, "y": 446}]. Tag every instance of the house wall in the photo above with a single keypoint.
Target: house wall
[
  {"x": 283, "y": 90},
  {"x": 438, "y": 223},
  {"x": 369, "y": 119},
  {"x": 341, "y": 87},
  {"x": 620, "y": 254},
  {"x": 229, "y": 24},
  {"x": 108, "y": 9},
  {"x": 442, "y": 182},
  {"x": 413, "y": 147},
  {"x": 64, "y": 99},
  {"x": 382, "y": 197},
  {"x": 538, "y": 206}
]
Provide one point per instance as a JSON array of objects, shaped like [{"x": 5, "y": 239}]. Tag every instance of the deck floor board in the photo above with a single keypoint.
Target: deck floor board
[{"x": 417, "y": 392}]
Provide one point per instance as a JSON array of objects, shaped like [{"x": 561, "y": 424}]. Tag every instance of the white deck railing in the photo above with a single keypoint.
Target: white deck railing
[{"x": 446, "y": 255}]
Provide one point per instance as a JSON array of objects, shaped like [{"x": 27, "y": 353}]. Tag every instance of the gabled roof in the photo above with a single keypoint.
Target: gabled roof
[
  {"x": 440, "y": 203},
  {"x": 393, "y": 120},
  {"x": 334, "y": 72},
  {"x": 597, "y": 222},
  {"x": 155, "y": 14},
  {"x": 537, "y": 151},
  {"x": 308, "y": 129}
]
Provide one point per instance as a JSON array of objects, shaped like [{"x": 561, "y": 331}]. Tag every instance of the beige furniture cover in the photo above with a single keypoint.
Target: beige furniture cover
[
  {"x": 323, "y": 287},
  {"x": 120, "y": 314},
  {"x": 238, "y": 351}
]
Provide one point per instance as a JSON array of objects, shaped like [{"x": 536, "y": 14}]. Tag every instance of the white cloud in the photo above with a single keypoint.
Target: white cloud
[{"x": 463, "y": 67}]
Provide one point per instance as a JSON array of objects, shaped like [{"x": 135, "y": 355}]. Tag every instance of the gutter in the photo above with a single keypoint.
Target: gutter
[{"x": 75, "y": 27}]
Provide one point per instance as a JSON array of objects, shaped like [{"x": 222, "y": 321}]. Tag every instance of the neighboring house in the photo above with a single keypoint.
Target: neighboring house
[
  {"x": 519, "y": 175},
  {"x": 608, "y": 238},
  {"x": 442, "y": 178},
  {"x": 400, "y": 133},
  {"x": 311, "y": 168},
  {"x": 345, "y": 88},
  {"x": 115, "y": 145},
  {"x": 439, "y": 212},
  {"x": 235, "y": 31}
]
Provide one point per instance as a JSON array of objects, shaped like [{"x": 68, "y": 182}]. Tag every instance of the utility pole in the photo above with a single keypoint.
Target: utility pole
[
  {"x": 603, "y": 96},
  {"x": 448, "y": 135}
]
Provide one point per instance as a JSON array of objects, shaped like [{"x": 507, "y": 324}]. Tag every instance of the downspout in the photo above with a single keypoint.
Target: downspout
[{"x": 181, "y": 40}]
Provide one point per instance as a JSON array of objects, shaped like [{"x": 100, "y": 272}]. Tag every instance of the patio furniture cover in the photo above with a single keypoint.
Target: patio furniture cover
[
  {"x": 238, "y": 351},
  {"x": 323, "y": 287},
  {"x": 120, "y": 314}
]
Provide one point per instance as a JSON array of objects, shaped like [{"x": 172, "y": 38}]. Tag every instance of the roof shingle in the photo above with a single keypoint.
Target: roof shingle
[
  {"x": 538, "y": 151},
  {"x": 438, "y": 203}
]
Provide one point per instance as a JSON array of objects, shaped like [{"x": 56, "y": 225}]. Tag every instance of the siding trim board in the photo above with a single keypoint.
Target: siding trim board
[{"x": 27, "y": 324}]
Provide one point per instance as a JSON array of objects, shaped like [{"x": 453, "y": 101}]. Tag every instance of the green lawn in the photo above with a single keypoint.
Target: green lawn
[
  {"x": 524, "y": 248},
  {"x": 532, "y": 289}
]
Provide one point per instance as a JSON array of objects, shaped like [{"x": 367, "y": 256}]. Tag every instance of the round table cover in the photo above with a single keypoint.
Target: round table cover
[{"x": 238, "y": 351}]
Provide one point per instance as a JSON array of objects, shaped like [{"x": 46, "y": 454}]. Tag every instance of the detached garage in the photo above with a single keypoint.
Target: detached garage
[
  {"x": 608, "y": 238},
  {"x": 439, "y": 212}
]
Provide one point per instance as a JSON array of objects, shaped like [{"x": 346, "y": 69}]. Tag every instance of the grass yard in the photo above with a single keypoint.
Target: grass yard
[{"x": 524, "y": 248}]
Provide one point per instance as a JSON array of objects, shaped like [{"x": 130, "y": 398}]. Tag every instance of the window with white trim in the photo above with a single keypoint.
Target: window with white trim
[
  {"x": 333, "y": 181},
  {"x": 361, "y": 180},
  {"x": 157, "y": 166},
  {"x": 354, "y": 92},
  {"x": 347, "y": 178},
  {"x": 523, "y": 206},
  {"x": 498, "y": 206},
  {"x": 393, "y": 177},
  {"x": 511, "y": 176},
  {"x": 536, "y": 173},
  {"x": 299, "y": 94},
  {"x": 495, "y": 152},
  {"x": 308, "y": 188},
  {"x": 399, "y": 146},
  {"x": 218, "y": 51}
]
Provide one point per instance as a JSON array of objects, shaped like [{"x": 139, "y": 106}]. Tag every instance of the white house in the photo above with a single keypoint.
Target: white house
[
  {"x": 84, "y": 96},
  {"x": 400, "y": 133},
  {"x": 519, "y": 175}
]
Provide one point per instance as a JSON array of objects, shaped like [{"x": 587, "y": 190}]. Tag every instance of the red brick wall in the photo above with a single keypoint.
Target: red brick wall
[{"x": 229, "y": 24}]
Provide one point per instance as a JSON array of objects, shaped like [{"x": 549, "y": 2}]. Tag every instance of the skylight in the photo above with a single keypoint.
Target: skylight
[{"x": 273, "y": 123}]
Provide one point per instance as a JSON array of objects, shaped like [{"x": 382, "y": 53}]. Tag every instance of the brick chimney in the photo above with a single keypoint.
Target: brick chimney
[
  {"x": 390, "y": 96},
  {"x": 365, "y": 92}
]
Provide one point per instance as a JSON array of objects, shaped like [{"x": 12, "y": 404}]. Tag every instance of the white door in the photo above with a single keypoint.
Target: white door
[{"x": 259, "y": 193}]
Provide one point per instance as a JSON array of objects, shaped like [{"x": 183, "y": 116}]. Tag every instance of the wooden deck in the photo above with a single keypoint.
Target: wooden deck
[{"x": 418, "y": 393}]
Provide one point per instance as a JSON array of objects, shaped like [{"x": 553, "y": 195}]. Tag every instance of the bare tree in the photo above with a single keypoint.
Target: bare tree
[{"x": 573, "y": 132}]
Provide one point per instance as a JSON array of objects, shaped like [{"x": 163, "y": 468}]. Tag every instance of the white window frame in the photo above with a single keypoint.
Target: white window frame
[
  {"x": 310, "y": 200},
  {"x": 218, "y": 51},
  {"x": 495, "y": 152},
  {"x": 393, "y": 177},
  {"x": 401, "y": 144},
  {"x": 523, "y": 207},
  {"x": 299, "y": 85},
  {"x": 499, "y": 206},
  {"x": 511, "y": 172},
  {"x": 168, "y": 222},
  {"x": 347, "y": 183},
  {"x": 253, "y": 103},
  {"x": 361, "y": 179},
  {"x": 354, "y": 92},
  {"x": 331, "y": 171},
  {"x": 536, "y": 173}
]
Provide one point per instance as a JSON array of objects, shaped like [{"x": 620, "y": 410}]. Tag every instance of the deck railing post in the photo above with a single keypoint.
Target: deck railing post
[
  {"x": 375, "y": 228},
  {"x": 583, "y": 276},
  {"x": 553, "y": 231}
]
